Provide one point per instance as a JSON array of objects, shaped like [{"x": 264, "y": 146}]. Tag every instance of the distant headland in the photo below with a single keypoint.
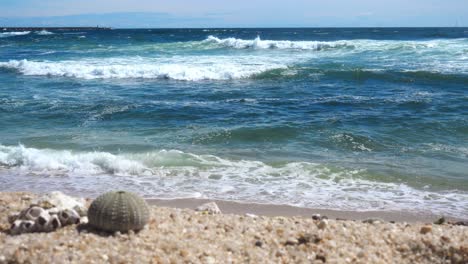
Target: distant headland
[{"x": 52, "y": 28}]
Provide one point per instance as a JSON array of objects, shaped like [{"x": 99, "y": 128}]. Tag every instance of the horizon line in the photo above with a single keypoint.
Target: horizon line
[{"x": 228, "y": 27}]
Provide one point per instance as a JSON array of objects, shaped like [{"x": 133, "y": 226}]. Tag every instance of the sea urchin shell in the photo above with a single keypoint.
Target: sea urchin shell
[{"x": 118, "y": 211}]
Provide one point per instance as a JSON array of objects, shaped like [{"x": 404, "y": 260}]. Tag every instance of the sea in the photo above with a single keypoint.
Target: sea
[{"x": 360, "y": 119}]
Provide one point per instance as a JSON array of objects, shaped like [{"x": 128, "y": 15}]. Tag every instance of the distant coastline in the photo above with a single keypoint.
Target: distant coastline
[{"x": 52, "y": 28}]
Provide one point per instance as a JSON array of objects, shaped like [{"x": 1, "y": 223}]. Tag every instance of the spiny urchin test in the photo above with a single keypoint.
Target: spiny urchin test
[{"x": 118, "y": 211}]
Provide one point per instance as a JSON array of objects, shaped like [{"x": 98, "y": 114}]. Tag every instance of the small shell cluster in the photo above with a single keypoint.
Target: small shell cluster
[{"x": 38, "y": 219}]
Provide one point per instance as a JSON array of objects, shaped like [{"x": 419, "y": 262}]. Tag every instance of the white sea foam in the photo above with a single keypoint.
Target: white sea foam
[
  {"x": 352, "y": 45},
  {"x": 44, "y": 33},
  {"x": 13, "y": 34},
  {"x": 257, "y": 43},
  {"x": 171, "y": 174},
  {"x": 351, "y": 142},
  {"x": 440, "y": 55},
  {"x": 37, "y": 161},
  {"x": 194, "y": 69}
]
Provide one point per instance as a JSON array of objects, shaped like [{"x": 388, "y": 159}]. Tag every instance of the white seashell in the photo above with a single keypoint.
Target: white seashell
[
  {"x": 62, "y": 201},
  {"x": 69, "y": 217},
  {"x": 42, "y": 222},
  {"x": 22, "y": 226},
  {"x": 209, "y": 208},
  {"x": 251, "y": 215},
  {"x": 32, "y": 213}
]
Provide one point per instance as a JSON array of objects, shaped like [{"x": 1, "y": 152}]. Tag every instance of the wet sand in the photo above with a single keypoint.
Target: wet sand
[{"x": 228, "y": 207}]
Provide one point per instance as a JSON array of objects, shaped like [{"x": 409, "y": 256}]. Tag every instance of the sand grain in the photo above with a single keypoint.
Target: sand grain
[{"x": 183, "y": 235}]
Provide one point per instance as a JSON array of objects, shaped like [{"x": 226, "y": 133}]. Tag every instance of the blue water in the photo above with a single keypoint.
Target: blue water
[{"x": 357, "y": 119}]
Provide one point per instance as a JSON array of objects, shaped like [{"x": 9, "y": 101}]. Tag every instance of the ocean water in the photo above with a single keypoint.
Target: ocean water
[{"x": 355, "y": 119}]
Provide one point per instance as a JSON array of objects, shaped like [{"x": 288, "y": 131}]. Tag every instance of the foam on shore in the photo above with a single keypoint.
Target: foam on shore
[{"x": 176, "y": 174}]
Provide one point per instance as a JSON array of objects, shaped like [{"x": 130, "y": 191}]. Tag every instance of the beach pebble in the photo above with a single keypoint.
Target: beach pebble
[
  {"x": 26, "y": 197},
  {"x": 373, "y": 221},
  {"x": 462, "y": 223},
  {"x": 440, "y": 221},
  {"x": 84, "y": 220},
  {"x": 13, "y": 217},
  {"x": 323, "y": 224},
  {"x": 319, "y": 217},
  {"x": 308, "y": 238},
  {"x": 426, "y": 229},
  {"x": 210, "y": 208},
  {"x": 291, "y": 241},
  {"x": 251, "y": 215},
  {"x": 209, "y": 260}
]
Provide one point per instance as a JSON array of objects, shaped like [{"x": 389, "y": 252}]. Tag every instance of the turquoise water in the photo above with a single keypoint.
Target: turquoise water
[{"x": 357, "y": 119}]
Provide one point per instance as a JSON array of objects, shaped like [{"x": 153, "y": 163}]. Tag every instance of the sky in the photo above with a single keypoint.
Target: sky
[{"x": 234, "y": 13}]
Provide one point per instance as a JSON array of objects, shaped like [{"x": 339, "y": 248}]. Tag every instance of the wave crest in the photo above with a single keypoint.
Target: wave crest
[
  {"x": 185, "y": 71},
  {"x": 257, "y": 43},
  {"x": 13, "y": 34},
  {"x": 44, "y": 33}
]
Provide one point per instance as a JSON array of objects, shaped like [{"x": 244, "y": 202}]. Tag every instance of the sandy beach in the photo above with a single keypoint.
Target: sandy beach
[{"x": 176, "y": 235}]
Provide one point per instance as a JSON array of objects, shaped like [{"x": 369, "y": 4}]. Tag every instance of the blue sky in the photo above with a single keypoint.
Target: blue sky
[{"x": 238, "y": 13}]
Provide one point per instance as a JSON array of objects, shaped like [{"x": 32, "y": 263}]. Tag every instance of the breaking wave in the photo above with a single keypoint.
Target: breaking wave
[
  {"x": 257, "y": 43},
  {"x": 216, "y": 68},
  {"x": 186, "y": 71},
  {"x": 44, "y": 33},
  {"x": 175, "y": 174},
  {"x": 13, "y": 34}
]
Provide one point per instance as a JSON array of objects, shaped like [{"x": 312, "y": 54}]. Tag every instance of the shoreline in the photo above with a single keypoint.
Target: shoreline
[
  {"x": 272, "y": 210},
  {"x": 284, "y": 210}
]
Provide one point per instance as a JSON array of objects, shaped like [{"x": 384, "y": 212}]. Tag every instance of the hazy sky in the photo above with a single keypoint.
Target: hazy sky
[{"x": 212, "y": 13}]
